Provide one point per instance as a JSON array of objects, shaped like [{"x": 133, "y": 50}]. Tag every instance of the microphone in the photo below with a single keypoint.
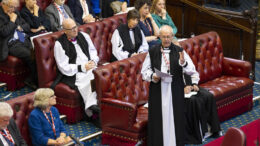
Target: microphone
[{"x": 76, "y": 140}]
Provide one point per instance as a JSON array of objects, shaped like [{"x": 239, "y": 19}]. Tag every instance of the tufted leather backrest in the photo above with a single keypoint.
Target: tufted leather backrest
[
  {"x": 123, "y": 80},
  {"x": 45, "y": 61},
  {"x": 206, "y": 53},
  {"x": 100, "y": 33},
  {"x": 22, "y": 107}
]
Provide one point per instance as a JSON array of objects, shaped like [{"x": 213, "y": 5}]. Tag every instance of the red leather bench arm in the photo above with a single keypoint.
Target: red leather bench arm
[
  {"x": 117, "y": 114},
  {"x": 235, "y": 67}
]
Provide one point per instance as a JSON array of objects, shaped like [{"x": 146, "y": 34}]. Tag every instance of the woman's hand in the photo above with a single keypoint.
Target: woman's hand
[
  {"x": 124, "y": 7},
  {"x": 88, "y": 19},
  {"x": 163, "y": 14},
  {"x": 149, "y": 16},
  {"x": 35, "y": 10},
  {"x": 60, "y": 140}
]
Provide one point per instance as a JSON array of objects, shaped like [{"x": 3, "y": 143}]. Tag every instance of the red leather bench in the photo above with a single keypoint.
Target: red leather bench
[
  {"x": 22, "y": 107},
  {"x": 122, "y": 92},
  {"x": 69, "y": 101},
  {"x": 226, "y": 78}
]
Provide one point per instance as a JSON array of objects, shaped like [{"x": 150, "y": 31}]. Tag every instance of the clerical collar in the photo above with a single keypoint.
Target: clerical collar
[
  {"x": 166, "y": 48},
  {"x": 73, "y": 40}
]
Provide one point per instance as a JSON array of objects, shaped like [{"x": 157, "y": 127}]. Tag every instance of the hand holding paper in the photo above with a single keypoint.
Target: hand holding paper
[{"x": 165, "y": 77}]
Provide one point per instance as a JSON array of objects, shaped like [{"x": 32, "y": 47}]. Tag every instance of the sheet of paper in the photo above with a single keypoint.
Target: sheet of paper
[
  {"x": 165, "y": 77},
  {"x": 146, "y": 105},
  {"x": 190, "y": 94},
  {"x": 161, "y": 74}
]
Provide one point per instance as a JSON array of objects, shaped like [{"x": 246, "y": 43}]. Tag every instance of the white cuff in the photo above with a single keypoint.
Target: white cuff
[{"x": 83, "y": 68}]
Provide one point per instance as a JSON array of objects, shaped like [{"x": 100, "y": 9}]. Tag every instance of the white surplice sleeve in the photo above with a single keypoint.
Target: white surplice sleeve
[
  {"x": 117, "y": 46},
  {"x": 146, "y": 69},
  {"x": 189, "y": 68},
  {"x": 144, "y": 47},
  {"x": 62, "y": 61},
  {"x": 92, "y": 50}
]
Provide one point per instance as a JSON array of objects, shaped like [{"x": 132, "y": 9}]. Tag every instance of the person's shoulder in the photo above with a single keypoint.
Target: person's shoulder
[
  {"x": 121, "y": 25},
  {"x": 49, "y": 8},
  {"x": 35, "y": 112},
  {"x": 84, "y": 33},
  {"x": 155, "y": 47},
  {"x": 65, "y": 5},
  {"x": 54, "y": 109},
  {"x": 178, "y": 48},
  {"x": 23, "y": 10},
  {"x": 154, "y": 15}
]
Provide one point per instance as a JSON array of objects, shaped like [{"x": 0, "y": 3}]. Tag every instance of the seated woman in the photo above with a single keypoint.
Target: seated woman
[
  {"x": 146, "y": 23},
  {"x": 35, "y": 17},
  {"x": 82, "y": 11},
  {"x": 46, "y": 127},
  {"x": 128, "y": 39},
  {"x": 161, "y": 17},
  {"x": 200, "y": 111}
]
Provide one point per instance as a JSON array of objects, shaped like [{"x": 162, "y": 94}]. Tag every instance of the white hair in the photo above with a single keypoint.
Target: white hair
[
  {"x": 8, "y": 1},
  {"x": 6, "y": 110},
  {"x": 166, "y": 28}
]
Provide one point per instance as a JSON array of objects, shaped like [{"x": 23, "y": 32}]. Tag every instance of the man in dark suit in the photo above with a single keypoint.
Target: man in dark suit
[
  {"x": 82, "y": 11},
  {"x": 9, "y": 132},
  {"x": 13, "y": 37},
  {"x": 56, "y": 12}
]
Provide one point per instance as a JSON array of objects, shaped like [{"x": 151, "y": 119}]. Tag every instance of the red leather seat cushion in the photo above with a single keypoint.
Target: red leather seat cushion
[
  {"x": 12, "y": 65},
  {"x": 226, "y": 86}
]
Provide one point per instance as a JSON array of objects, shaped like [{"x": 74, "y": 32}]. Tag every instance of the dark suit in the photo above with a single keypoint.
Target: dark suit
[
  {"x": 35, "y": 21},
  {"x": 16, "y": 135},
  {"x": 16, "y": 48},
  {"x": 77, "y": 10},
  {"x": 7, "y": 29},
  {"x": 53, "y": 15}
]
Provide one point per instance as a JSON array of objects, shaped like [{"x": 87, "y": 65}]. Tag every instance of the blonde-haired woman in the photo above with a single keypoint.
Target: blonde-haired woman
[
  {"x": 160, "y": 15},
  {"x": 46, "y": 128}
]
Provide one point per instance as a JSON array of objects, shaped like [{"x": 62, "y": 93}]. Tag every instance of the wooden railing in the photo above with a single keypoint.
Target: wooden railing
[{"x": 200, "y": 8}]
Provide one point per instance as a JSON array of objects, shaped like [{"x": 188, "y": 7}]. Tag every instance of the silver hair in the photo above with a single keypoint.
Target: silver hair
[
  {"x": 41, "y": 97},
  {"x": 7, "y": 2},
  {"x": 6, "y": 110}
]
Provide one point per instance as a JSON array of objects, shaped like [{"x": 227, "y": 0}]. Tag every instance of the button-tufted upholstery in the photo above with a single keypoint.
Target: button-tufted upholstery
[
  {"x": 69, "y": 101},
  {"x": 22, "y": 107},
  {"x": 12, "y": 70},
  {"x": 227, "y": 79},
  {"x": 122, "y": 92}
]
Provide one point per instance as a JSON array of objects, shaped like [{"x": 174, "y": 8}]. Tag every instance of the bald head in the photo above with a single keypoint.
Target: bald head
[
  {"x": 68, "y": 23},
  {"x": 166, "y": 28},
  {"x": 70, "y": 28},
  {"x": 166, "y": 35}
]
